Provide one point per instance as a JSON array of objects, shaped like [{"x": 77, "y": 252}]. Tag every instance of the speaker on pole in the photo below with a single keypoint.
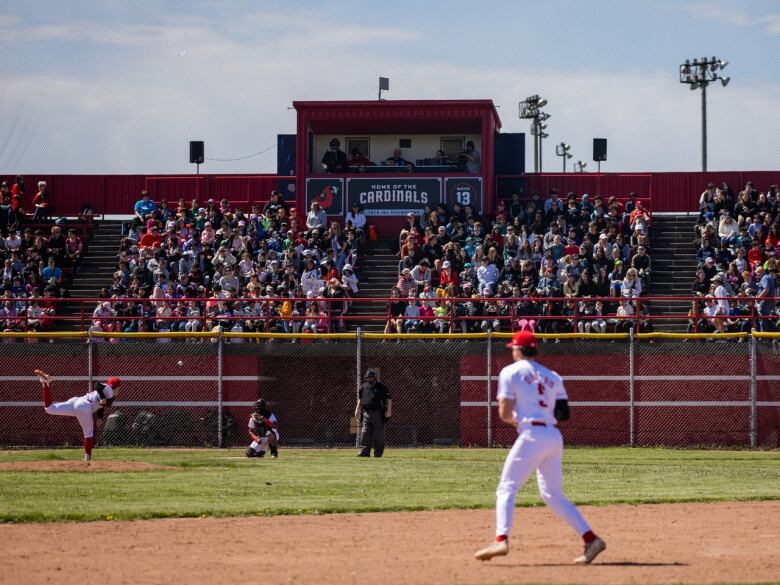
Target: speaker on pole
[
  {"x": 599, "y": 149},
  {"x": 196, "y": 152}
]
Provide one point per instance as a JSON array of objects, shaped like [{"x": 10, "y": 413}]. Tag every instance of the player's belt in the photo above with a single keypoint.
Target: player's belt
[{"x": 538, "y": 423}]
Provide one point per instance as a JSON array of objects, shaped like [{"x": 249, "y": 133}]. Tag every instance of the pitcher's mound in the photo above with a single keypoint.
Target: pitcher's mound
[{"x": 95, "y": 466}]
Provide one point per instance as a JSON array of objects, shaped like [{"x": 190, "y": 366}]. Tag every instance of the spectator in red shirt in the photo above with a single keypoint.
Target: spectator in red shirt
[
  {"x": 41, "y": 203},
  {"x": 150, "y": 238},
  {"x": 756, "y": 255}
]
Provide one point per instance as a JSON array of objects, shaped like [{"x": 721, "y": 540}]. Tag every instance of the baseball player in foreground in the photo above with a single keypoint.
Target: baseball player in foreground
[
  {"x": 83, "y": 408},
  {"x": 532, "y": 399},
  {"x": 263, "y": 430}
]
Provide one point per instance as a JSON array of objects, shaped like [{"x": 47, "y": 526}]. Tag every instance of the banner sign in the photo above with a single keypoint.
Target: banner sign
[
  {"x": 329, "y": 192},
  {"x": 393, "y": 195},
  {"x": 463, "y": 191}
]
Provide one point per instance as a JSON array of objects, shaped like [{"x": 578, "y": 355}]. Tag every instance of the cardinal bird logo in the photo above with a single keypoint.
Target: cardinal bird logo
[{"x": 327, "y": 196}]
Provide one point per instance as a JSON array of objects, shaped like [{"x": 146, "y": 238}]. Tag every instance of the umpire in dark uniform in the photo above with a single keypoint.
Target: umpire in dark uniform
[{"x": 375, "y": 406}]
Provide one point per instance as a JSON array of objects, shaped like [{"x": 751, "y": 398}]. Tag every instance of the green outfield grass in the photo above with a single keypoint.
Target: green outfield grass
[{"x": 222, "y": 482}]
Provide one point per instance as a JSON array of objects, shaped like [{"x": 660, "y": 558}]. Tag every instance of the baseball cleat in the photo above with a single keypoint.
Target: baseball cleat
[
  {"x": 497, "y": 549},
  {"x": 43, "y": 376},
  {"x": 593, "y": 549}
]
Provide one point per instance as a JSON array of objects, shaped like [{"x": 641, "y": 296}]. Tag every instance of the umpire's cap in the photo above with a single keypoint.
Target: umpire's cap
[
  {"x": 523, "y": 338},
  {"x": 371, "y": 373},
  {"x": 114, "y": 382}
]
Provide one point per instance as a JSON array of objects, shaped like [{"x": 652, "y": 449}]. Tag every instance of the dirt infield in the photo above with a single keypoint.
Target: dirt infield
[
  {"x": 94, "y": 466},
  {"x": 676, "y": 543}
]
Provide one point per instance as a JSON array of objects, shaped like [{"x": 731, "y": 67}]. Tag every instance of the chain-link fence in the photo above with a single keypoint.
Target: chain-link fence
[{"x": 200, "y": 391}]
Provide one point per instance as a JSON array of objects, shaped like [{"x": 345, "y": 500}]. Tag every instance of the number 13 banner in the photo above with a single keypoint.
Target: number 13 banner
[{"x": 464, "y": 191}]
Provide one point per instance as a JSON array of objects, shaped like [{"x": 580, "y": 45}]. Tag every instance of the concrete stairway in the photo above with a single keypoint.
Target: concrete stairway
[
  {"x": 96, "y": 272},
  {"x": 378, "y": 272},
  {"x": 673, "y": 268}
]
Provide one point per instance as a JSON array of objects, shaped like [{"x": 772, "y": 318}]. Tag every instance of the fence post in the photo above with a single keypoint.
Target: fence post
[
  {"x": 219, "y": 389},
  {"x": 753, "y": 393},
  {"x": 358, "y": 378},
  {"x": 489, "y": 389},
  {"x": 89, "y": 360},
  {"x": 631, "y": 375}
]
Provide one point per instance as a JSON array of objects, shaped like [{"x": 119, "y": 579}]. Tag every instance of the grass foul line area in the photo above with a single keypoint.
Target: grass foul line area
[{"x": 52, "y": 485}]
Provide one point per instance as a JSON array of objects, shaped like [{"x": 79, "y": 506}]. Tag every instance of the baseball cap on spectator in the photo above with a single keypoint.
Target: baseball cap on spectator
[
  {"x": 603, "y": 237},
  {"x": 467, "y": 265},
  {"x": 211, "y": 201},
  {"x": 717, "y": 278},
  {"x": 207, "y": 223},
  {"x": 709, "y": 260},
  {"x": 310, "y": 294},
  {"x": 446, "y": 264},
  {"x": 241, "y": 223},
  {"x": 410, "y": 214},
  {"x": 347, "y": 267},
  {"x": 523, "y": 338},
  {"x": 406, "y": 271}
]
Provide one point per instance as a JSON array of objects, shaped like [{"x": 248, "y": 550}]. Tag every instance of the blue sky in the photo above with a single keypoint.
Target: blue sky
[{"x": 118, "y": 87}]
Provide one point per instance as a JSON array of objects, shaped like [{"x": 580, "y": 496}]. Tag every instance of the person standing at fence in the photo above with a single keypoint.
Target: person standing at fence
[
  {"x": 532, "y": 399},
  {"x": 373, "y": 409},
  {"x": 83, "y": 408},
  {"x": 767, "y": 289}
]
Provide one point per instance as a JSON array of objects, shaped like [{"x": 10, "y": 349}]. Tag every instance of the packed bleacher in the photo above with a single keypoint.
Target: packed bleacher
[
  {"x": 39, "y": 253},
  {"x": 737, "y": 240},
  {"x": 549, "y": 265},
  {"x": 192, "y": 267}
]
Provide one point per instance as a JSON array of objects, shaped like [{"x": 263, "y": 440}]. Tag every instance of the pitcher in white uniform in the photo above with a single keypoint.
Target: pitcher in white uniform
[
  {"x": 83, "y": 408},
  {"x": 532, "y": 399}
]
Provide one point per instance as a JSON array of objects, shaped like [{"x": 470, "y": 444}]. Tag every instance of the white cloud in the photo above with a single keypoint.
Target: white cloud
[
  {"x": 725, "y": 14},
  {"x": 9, "y": 20},
  {"x": 733, "y": 15},
  {"x": 772, "y": 22}
]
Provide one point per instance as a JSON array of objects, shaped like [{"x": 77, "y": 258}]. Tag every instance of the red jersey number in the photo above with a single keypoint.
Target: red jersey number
[{"x": 542, "y": 403}]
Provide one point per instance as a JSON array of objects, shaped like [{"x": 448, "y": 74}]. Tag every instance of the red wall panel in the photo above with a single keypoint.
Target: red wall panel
[{"x": 116, "y": 194}]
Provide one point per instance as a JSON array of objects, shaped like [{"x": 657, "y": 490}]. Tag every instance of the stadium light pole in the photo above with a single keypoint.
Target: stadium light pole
[
  {"x": 562, "y": 150},
  {"x": 579, "y": 166},
  {"x": 531, "y": 108},
  {"x": 698, "y": 74}
]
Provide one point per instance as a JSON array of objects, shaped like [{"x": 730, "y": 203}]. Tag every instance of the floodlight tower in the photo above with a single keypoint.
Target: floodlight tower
[{"x": 698, "y": 74}]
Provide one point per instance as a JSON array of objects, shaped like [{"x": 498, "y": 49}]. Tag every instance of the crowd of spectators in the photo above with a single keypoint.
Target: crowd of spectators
[
  {"x": 540, "y": 264},
  {"x": 195, "y": 267},
  {"x": 737, "y": 240},
  {"x": 35, "y": 255}
]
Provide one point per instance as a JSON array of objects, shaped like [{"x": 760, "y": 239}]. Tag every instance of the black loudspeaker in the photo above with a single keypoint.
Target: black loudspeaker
[
  {"x": 509, "y": 158},
  {"x": 196, "y": 151},
  {"x": 285, "y": 154},
  {"x": 599, "y": 149}
]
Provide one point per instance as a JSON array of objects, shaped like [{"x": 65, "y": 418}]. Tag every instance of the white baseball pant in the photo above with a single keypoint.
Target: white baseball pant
[
  {"x": 536, "y": 448},
  {"x": 78, "y": 408}
]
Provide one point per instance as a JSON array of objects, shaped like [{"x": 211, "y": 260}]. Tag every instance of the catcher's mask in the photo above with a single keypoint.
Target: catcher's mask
[{"x": 260, "y": 405}]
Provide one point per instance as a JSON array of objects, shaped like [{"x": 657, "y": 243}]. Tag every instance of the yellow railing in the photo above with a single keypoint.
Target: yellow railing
[{"x": 392, "y": 336}]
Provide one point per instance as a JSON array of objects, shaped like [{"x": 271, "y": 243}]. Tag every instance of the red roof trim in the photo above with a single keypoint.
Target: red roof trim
[{"x": 402, "y": 109}]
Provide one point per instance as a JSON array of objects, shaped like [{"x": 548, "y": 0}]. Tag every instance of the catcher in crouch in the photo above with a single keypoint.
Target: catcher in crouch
[
  {"x": 263, "y": 430},
  {"x": 83, "y": 408}
]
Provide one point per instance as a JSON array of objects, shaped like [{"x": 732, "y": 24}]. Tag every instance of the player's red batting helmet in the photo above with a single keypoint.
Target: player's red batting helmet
[
  {"x": 114, "y": 382},
  {"x": 523, "y": 338}
]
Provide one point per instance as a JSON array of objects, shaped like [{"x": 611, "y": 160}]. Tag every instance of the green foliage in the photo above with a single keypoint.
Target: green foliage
[{"x": 222, "y": 482}]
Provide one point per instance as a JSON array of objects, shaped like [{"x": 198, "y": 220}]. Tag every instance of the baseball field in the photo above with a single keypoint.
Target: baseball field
[{"x": 412, "y": 517}]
